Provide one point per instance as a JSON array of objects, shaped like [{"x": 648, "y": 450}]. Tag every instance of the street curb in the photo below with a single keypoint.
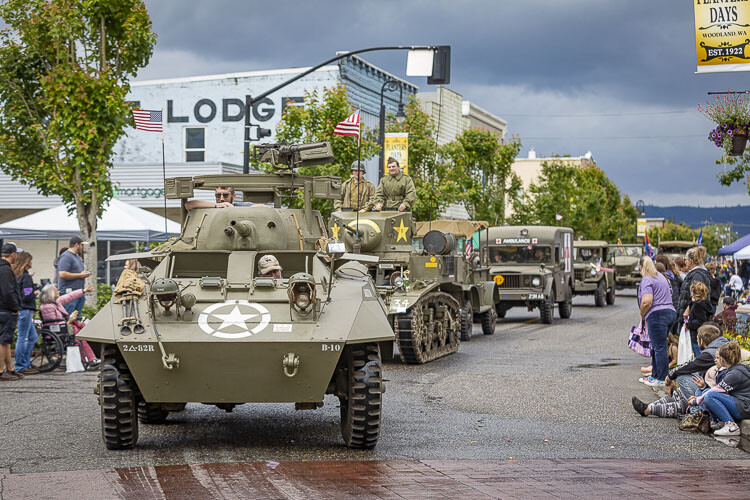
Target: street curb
[{"x": 745, "y": 427}]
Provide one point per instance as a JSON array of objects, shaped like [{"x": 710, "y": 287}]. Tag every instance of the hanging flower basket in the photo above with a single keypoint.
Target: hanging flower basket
[{"x": 731, "y": 113}]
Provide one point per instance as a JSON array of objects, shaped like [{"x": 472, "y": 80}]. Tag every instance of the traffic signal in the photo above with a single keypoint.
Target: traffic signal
[{"x": 441, "y": 66}]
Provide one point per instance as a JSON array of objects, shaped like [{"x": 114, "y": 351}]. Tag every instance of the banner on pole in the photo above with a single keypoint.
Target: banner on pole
[
  {"x": 722, "y": 35},
  {"x": 397, "y": 146},
  {"x": 641, "y": 228}
]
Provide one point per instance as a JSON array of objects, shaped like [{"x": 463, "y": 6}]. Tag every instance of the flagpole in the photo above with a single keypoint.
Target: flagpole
[
  {"x": 359, "y": 178},
  {"x": 164, "y": 175}
]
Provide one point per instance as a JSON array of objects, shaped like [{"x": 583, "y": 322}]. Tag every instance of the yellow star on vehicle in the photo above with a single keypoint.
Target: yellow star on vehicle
[
  {"x": 401, "y": 231},
  {"x": 335, "y": 229}
]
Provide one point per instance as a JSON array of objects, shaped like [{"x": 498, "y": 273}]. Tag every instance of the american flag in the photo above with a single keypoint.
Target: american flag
[
  {"x": 350, "y": 126},
  {"x": 469, "y": 248},
  {"x": 148, "y": 121}
]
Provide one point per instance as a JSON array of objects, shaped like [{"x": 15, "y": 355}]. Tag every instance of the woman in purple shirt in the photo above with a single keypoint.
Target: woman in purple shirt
[{"x": 655, "y": 301}]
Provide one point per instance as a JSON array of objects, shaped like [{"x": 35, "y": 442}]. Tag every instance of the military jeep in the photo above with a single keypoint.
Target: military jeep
[
  {"x": 626, "y": 259},
  {"x": 532, "y": 267},
  {"x": 674, "y": 249},
  {"x": 593, "y": 272}
]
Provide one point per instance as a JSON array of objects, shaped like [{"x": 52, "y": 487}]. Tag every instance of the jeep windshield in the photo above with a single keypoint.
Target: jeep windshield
[
  {"x": 529, "y": 254},
  {"x": 628, "y": 251},
  {"x": 586, "y": 255}
]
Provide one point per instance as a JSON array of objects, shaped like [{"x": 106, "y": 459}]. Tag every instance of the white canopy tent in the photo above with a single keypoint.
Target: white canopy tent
[
  {"x": 119, "y": 222},
  {"x": 743, "y": 254}
]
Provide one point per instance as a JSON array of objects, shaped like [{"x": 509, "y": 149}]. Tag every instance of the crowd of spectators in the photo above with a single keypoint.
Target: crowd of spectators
[{"x": 710, "y": 392}]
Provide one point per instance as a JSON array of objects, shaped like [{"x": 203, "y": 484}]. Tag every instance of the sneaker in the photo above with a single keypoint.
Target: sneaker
[
  {"x": 644, "y": 380},
  {"x": 690, "y": 422},
  {"x": 639, "y": 406},
  {"x": 28, "y": 371},
  {"x": 652, "y": 382},
  {"x": 6, "y": 377},
  {"x": 729, "y": 429}
]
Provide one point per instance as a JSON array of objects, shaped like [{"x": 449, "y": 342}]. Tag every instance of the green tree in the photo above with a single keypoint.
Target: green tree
[
  {"x": 433, "y": 175},
  {"x": 584, "y": 197},
  {"x": 481, "y": 167},
  {"x": 314, "y": 121},
  {"x": 65, "y": 67}
]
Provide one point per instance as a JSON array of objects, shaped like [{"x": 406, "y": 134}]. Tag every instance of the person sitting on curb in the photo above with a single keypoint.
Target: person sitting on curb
[
  {"x": 729, "y": 400},
  {"x": 675, "y": 404},
  {"x": 728, "y": 317}
]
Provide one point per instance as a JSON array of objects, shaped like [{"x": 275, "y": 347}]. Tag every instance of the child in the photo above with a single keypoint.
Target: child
[
  {"x": 700, "y": 312},
  {"x": 729, "y": 400},
  {"x": 52, "y": 312}
]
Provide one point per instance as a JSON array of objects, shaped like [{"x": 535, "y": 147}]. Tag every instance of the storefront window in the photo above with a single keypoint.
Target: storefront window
[{"x": 195, "y": 144}]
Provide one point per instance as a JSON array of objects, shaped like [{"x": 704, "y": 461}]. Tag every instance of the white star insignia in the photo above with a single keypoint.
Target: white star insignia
[{"x": 234, "y": 318}]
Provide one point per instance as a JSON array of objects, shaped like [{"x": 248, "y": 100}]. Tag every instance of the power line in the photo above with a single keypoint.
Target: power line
[{"x": 590, "y": 115}]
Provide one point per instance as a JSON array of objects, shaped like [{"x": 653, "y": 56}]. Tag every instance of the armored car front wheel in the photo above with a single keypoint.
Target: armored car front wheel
[
  {"x": 117, "y": 393},
  {"x": 361, "y": 402}
]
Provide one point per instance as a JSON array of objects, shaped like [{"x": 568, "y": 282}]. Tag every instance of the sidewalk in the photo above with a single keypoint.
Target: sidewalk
[{"x": 393, "y": 479}]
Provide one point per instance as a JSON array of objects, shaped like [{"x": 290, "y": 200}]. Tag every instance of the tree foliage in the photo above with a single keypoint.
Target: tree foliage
[
  {"x": 738, "y": 171},
  {"x": 65, "y": 67},
  {"x": 314, "y": 121},
  {"x": 586, "y": 199}
]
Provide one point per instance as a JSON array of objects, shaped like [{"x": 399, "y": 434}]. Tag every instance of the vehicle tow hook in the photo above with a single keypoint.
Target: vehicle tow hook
[{"x": 290, "y": 362}]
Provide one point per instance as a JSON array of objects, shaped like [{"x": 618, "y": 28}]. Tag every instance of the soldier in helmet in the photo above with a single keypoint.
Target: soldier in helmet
[
  {"x": 356, "y": 193},
  {"x": 396, "y": 190}
]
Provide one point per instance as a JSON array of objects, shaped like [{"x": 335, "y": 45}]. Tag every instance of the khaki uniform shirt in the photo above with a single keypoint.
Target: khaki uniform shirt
[
  {"x": 349, "y": 192},
  {"x": 395, "y": 190}
]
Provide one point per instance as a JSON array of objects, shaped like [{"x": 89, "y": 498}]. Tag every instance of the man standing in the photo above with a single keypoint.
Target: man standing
[
  {"x": 10, "y": 304},
  {"x": 396, "y": 190},
  {"x": 357, "y": 193},
  {"x": 72, "y": 275}
]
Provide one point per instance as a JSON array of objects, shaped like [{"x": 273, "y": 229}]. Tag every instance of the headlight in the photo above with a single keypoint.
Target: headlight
[
  {"x": 593, "y": 272},
  {"x": 536, "y": 281}
]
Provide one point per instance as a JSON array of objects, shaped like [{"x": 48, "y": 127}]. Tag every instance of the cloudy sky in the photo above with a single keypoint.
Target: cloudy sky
[{"x": 611, "y": 77}]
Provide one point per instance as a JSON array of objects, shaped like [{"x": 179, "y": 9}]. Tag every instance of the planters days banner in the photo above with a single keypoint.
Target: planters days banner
[
  {"x": 397, "y": 146},
  {"x": 722, "y": 35}
]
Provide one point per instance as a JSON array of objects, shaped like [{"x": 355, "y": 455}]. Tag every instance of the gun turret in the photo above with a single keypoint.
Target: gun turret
[{"x": 291, "y": 156}]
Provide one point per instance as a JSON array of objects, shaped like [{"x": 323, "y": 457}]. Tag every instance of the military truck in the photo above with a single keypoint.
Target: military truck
[
  {"x": 210, "y": 328},
  {"x": 594, "y": 275},
  {"x": 479, "y": 291},
  {"x": 423, "y": 290},
  {"x": 674, "y": 249},
  {"x": 627, "y": 263},
  {"x": 532, "y": 267}
]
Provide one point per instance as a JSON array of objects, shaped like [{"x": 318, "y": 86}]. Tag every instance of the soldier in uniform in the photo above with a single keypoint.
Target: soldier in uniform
[
  {"x": 356, "y": 193},
  {"x": 396, "y": 190}
]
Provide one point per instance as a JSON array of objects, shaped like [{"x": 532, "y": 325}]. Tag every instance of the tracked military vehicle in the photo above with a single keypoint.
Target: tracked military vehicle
[
  {"x": 423, "y": 290},
  {"x": 594, "y": 272},
  {"x": 627, "y": 262},
  {"x": 209, "y": 328}
]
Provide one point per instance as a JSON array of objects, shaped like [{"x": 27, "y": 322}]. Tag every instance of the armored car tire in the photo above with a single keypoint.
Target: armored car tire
[
  {"x": 117, "y": 393},
  {"x": 547, "y": 309},
  {"x": 489, "y": 321},
  {"x": 362, "y": 399},
  {"x": 599, "y": 294},
  {"x": 150, "y": 413},
  {"x": 611, "y": 296},
  {"x": 500, "y": 310},
  {"x": 565, "y": 308},
  {"x": 467, "y": 321}
]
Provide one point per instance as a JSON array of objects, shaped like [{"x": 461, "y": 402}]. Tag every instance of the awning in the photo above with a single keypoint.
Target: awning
[{"x": 735, "y": 246}]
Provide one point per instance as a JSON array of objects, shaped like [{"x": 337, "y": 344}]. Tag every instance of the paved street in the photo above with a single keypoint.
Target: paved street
[{"x": 531, "y": 391}]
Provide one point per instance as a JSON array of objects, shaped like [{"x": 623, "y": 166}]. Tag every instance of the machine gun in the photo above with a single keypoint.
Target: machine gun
[{"x": 292, "y": 156}]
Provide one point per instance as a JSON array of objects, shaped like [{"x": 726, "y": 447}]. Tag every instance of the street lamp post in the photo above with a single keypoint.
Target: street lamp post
[{"x": 391, "y": 85}]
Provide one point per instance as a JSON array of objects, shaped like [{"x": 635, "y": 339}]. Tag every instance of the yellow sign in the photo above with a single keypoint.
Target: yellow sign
[
  {"x": 335, "y": 230},
  {"x": 641, "y": 227},
  {"x": 499, "y": 280},
  {"x": 722, "y": 35},
  {"x": 432, "y": 263},
  {"x": 397, "y": 146},
  {"x": 401, "y": 231}
]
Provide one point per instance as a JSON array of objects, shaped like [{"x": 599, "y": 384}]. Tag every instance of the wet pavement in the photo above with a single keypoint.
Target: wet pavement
[
  {"x": 393, "y": 479},
  {"x": 532, "y": 392}
]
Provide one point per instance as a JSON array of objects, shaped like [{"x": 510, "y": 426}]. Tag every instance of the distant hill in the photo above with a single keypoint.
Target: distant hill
[{"x": 695, "y": 217}]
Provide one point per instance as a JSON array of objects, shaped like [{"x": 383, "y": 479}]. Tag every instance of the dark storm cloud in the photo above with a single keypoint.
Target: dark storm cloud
[{"x": 522, "y": 60}]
